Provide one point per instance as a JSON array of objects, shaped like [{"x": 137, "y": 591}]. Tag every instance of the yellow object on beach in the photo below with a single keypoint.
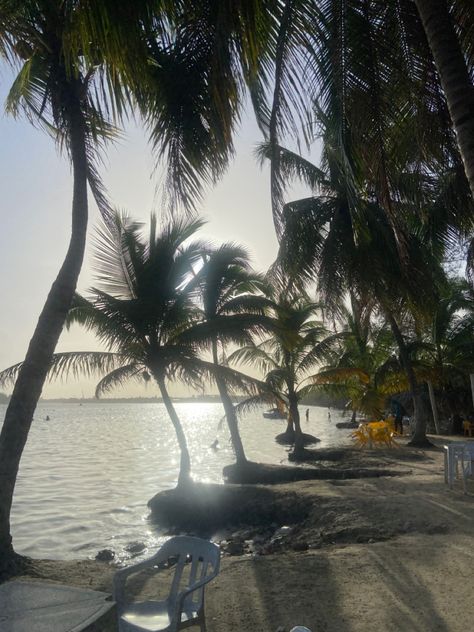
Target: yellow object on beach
[{"x": 375, "y": 433}]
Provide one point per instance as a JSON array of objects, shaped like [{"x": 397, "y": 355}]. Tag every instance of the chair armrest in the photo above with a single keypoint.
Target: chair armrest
[
  {"x": 187, "y": 591},
  {"x": 120, "y": 577}
]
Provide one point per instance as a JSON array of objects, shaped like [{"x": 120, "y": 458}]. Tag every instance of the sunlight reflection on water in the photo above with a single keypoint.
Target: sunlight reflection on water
[{"x": 87, "y": 473}]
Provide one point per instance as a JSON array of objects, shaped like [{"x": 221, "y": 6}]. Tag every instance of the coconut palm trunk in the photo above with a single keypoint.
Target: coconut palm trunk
[
  {"x": 419, "y": 436},
  {"x": 290, "y": 426},
  {"x": 434, "y": 408},
  {"x": 295, "y": 416},
  {"x": 32, "y": 375},
  {"x": 184, "y": 476},
  {"x": 454, "y": 76},
  {"x": 230, "y": 415}
]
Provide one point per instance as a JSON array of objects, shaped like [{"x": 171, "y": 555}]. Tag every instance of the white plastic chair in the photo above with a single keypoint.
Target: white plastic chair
[
  {"x": 452, "y": 458},
  {"x": 184, "y": 605},
  {"x": 467, "y": 463}
]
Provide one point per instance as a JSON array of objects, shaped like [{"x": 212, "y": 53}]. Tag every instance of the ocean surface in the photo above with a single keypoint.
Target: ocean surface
[{"x": 87, "y": 473}]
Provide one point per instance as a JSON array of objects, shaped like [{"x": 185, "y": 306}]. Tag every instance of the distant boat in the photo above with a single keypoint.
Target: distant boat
[{"x": 274, "y": 413}]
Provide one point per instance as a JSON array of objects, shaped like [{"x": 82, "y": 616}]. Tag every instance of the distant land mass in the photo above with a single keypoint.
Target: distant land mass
[
  {"x": 315, "y": 400},
  {"x": 205, "y": 399},
  {"x": 209, "y": 399}
]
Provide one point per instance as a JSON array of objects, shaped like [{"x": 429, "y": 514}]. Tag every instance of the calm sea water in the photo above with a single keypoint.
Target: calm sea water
[{"x": 86, "y": 474}]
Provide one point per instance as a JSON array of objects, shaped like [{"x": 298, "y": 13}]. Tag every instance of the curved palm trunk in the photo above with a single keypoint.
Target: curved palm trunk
[
  {"x": 230, "y": 415},
  {"x": 32, "y": 374},
  {"x": 184, "y": 477},
  {"x": 454, "y": 76},
  {"x": 419, "y": 436}
]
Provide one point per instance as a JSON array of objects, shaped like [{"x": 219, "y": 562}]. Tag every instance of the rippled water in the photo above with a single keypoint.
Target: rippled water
[{"x": 87, "y": 473}]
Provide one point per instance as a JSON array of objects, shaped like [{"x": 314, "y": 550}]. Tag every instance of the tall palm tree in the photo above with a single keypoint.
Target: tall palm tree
[
  {"x": 81, "y": 66},
  {"x": 372, "y": 69},
  {"x": 344, "y": 239},
  {"x": 64, "y": 87},
  {"x": 298, "y": 343},
  {"x": 230, "y": 301}
]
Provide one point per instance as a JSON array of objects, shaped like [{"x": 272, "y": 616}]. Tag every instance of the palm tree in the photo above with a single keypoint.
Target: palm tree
[
  {"x": 344, "y": 239},
  {"x": 149, "y": 320},
  {"x": 144, "y": 310},
  {"x": 297, "y": 344},
  {"x": 230, "y": 303},
  {"x": 445, "y": 352},
  {"x": 82, "y": 65},
  {"x": 58, "y": 87}
]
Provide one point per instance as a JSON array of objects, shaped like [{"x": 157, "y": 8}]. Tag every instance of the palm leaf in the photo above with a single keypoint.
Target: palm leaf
[{"x": 118, "y": 377}]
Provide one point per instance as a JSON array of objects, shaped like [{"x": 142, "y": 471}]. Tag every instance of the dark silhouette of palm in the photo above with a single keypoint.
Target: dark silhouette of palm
[{"x": 233, "y": 303}]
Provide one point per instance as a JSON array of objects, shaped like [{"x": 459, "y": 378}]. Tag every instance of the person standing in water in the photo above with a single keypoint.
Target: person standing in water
[{"x": 307, "y": 414}]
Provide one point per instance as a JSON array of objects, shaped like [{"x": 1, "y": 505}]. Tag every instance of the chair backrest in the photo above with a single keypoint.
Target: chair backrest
[
  {"x": 196, "y": 560},
  {"x": 468, "y": 450}
]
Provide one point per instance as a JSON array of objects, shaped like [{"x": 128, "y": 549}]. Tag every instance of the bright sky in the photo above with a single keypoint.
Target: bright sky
[{"x": 35, "y": 212}]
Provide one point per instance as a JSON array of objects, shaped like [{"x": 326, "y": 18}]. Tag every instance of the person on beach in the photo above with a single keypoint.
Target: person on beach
[
  {"x": 329, "y": 415},
  {"x": 307, "y": 414},
  {"x": 397, "y": 411}
]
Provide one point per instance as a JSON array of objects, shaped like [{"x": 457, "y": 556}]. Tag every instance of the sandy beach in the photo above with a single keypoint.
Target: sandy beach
[{"x": 383, "y": 553}]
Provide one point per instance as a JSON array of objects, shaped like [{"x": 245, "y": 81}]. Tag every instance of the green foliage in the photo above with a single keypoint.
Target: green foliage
[
  {"x": 364, "y": 367},
  {"x": 445, "y": 347}
]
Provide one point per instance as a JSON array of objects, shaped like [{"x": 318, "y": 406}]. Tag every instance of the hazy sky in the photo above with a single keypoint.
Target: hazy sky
[{"x": 35, "y": 214}]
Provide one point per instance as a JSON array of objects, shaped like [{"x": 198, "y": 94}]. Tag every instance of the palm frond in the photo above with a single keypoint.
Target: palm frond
[
  {"x": 116, "y": 248},
  {"x": 253, "y": 355},
  {"x": 250, "y": 404},
  {"x": 77, "y": 364},
  {"x": 341, "y": 374},
  {"x": 118, "y": 377},
  {"x": 83, "y": 363}
]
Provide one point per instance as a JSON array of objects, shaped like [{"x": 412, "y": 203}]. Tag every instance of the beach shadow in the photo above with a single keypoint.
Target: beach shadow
[
  {"x": 280, "y": 592},
  {"x": 411, "y": 605},
  {"x": 370, "y": 588}
]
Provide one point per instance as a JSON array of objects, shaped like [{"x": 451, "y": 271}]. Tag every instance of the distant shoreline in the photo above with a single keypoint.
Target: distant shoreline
[
  {"x": 204, "y": 399},
  {"x": 198, "y": 399}
]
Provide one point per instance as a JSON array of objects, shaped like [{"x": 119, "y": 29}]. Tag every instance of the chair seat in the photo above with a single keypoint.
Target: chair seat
[{"x": 150, "y": 616}]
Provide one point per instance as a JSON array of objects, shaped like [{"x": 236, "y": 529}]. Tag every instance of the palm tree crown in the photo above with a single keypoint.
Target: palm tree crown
[{"x": 298, "y": 342}]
